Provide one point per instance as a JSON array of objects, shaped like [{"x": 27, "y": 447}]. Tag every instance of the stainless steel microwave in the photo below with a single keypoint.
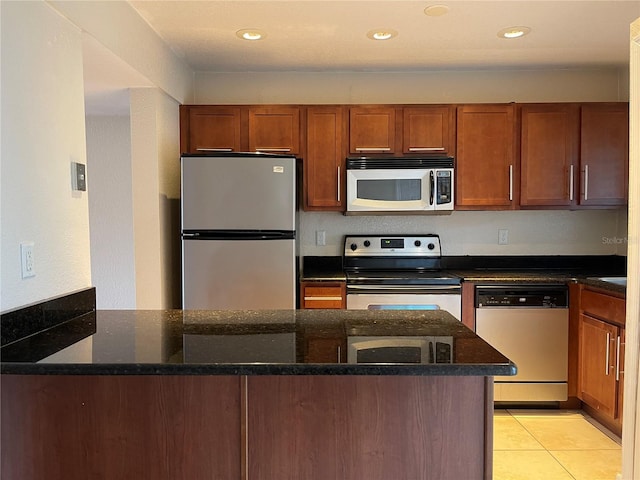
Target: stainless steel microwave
[{"x": 400, "y": 185}]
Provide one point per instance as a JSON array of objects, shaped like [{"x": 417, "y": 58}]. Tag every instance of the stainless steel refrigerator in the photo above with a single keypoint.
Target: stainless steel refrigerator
[{"x": 238, "y": 231}]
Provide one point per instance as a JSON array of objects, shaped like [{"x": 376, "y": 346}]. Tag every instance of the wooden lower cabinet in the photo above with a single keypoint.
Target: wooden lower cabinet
[
  {"x": 601, "y": 357},
  {"x": 597, "y": 366},
  {"x": 323, "y": 295},
  {"x": 369, "y": 427}
]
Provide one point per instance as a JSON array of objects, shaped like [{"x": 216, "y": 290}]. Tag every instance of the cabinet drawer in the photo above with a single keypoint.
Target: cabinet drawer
[
  {"x": 603, "y": 306},
  {"x": 323, "y": 297}
]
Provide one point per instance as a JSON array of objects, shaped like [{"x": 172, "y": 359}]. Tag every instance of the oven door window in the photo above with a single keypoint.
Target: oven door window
[{"x": 399, "y": 354}]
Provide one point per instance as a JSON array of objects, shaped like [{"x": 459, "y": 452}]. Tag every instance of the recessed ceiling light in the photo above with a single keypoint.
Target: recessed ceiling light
[
  {"x": 513, "y": 32},
  {"x": 251, "y": 34},
  {"x": 381, "y": 34},
  {"x": 436, "y": 10}
]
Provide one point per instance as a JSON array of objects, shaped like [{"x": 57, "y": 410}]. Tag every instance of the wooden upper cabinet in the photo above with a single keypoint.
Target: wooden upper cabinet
[
  {"x": 274, "y": 129},
  {"x": 210, "y": 129},
  {"x": 429, "y": 129},
  {"x": 604, "y": 154},
  {"x": 549, "y": 154},
  {"x": 324, "y": 174},
  {"x": 486, "y": 167},
  {"x": 372, "y": 130}
]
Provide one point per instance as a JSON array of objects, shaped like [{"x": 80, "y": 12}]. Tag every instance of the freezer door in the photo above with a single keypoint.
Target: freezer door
[
  {"x": 238, "y": 193},
  {"x": 238, "y": 274}
]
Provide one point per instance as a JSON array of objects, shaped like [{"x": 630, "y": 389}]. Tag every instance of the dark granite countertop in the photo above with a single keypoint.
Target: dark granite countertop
[
  {"x": 503, "y": 269},
  {"x": 176, "y": 342}
]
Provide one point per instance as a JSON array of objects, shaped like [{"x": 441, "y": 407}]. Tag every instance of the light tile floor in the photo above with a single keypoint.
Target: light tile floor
[{"x": 553, "y": 445}]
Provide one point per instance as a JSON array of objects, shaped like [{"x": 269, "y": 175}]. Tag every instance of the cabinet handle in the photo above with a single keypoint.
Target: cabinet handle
[
  {"x": 339, "y": 353},
  {"x": 339, "y": 184},
  {"x": 282, "y": 149},
  {"x": 618, "y": 358},
  {"x": 606, "y": 359},
  {"x": 373, "y": 149},
  {"x": 320, "y": 299},
  {"x": 426, "y": 149},
  {"x": 571, "y": 184},
  {"x": 214, "y": 149},
  {"x": 510, "y": 183},
  {"x": 586, "y": 182}
]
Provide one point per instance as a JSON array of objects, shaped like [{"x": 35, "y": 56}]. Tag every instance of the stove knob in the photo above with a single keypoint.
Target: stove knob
[
  {"x": 367, "y": 243},
  {"x": 354, "y": 246},
  {"x": 431, "y": 246},
  {"x": 417, "y": 243}
]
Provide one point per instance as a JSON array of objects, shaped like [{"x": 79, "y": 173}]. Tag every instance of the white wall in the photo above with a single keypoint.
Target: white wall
[
  {"x": 462, "y": 233},
  {"x": 135, "y": 203},
  {"x": 476, "y": 233},
  {"x": 120, "y": 29},
  {"x": 111, "y": 211},
  {"x": 561, "y": 85},
  {"x": 43, "y": 132},
  {"x": 155, "y": 177}
]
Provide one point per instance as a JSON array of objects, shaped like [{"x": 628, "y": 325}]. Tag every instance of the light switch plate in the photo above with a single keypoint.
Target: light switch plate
[{"x": 78, "y": 176}]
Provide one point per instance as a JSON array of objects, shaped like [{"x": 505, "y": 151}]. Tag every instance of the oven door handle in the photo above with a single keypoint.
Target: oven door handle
[{"x": 413, "y": 288}]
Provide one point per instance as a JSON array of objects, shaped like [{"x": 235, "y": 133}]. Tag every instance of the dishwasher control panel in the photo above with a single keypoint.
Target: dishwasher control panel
[{"x": 522, "y": 296}]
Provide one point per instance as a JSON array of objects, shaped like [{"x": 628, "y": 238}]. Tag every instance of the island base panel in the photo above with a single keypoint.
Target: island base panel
[
  {"x": 369, "y": 427},
  {"x": 124, "y": 427}
]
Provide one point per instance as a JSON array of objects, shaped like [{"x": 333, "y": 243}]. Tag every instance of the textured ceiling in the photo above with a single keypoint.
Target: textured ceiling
[{"x": 331, "y": 35}]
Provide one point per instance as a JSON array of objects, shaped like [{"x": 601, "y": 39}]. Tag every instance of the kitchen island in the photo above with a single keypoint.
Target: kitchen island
[{"x": 248, "y": 395}]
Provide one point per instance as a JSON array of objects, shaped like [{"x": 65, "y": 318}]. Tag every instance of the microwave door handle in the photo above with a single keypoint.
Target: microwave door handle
[{"x": 431, "y": 187}]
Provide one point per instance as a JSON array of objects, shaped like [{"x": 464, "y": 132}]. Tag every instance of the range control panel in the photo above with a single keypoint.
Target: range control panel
[{"x": 389, "y": 246}]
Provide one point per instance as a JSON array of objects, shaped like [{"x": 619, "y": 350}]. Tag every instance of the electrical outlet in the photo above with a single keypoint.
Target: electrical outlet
[
  {"x": 321, "y": 238},
  {"x": 27, "y": 260},
  {"x": 503, "y": 236}
]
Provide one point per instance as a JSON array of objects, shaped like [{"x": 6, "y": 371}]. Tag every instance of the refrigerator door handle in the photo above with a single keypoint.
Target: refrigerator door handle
[{"x": 239, "y": 235}]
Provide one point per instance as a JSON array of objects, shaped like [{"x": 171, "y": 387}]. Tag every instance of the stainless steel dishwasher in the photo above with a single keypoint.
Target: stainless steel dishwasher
[{"x": 529, "y": 324}]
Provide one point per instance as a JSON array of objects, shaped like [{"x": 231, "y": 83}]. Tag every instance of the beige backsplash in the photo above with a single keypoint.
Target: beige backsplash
[{"x": 589, "y": 232}]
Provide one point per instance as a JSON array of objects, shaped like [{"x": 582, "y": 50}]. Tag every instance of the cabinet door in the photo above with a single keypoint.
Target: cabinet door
[
  {"x": 486, "y": 167},
  {"x": 323, "y": 349},
  {"x": 274, "y": 129},
  {"x": 597, "y": 363},
  {"x": 429, "y": 130},
  {"x": 212, "y": 129},
  {"x": 372, "y": 130},
  {"x": 324, "y": 160},
  {"x": 604, "y": 154},
  {"x": 549, "y": 152}
]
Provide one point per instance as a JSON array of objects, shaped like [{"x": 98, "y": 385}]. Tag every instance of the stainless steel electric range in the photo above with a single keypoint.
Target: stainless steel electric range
[{"x": 394, "y": 272}]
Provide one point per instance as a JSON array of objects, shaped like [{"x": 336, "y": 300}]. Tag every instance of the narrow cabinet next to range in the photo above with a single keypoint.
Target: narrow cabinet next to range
[
  {"x": 325, "y": 158},
  {"x": 486, "y": 169}
]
